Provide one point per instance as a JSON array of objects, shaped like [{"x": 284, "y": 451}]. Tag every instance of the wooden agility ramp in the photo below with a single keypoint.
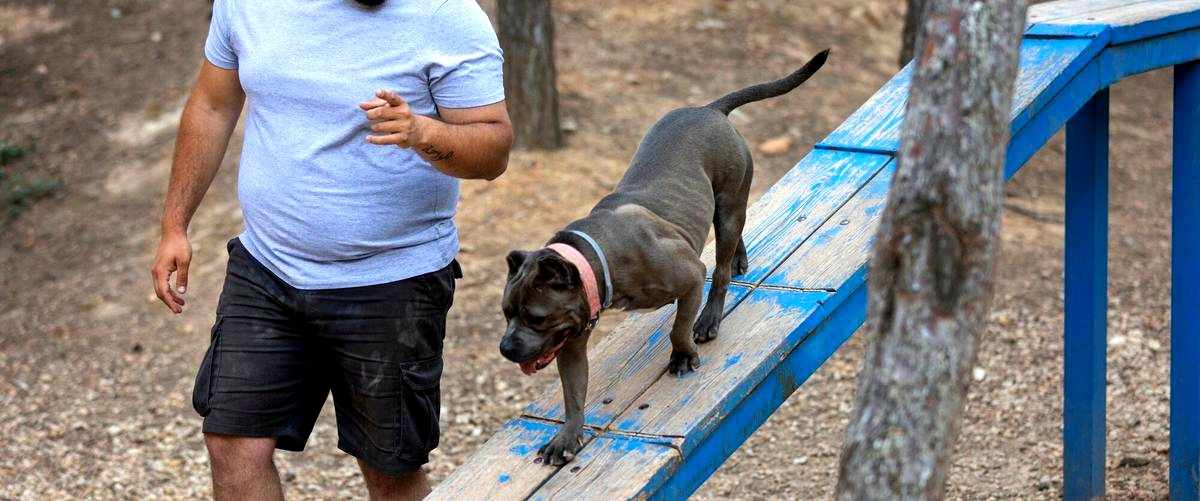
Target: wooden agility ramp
[{"x": 649, "y": 434}]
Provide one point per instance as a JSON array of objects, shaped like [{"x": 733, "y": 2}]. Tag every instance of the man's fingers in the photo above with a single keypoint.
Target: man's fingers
[
  {"x": 391, "y": 126},
  {"x": 373, "y": 103},
  {"x": 181, "y": 280},
  {"x": 391, "y": 97},
  {"x": 388, "y": 113},
  {"x": 399, "y": 139},
  {"x": 162, "y": 289}
]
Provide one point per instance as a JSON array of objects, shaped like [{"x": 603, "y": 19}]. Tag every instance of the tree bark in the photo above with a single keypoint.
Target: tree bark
[
  {"x": 931, "y": 273},
  {"x": 913, "y": 15},
  {"x": 526, "y": 31}
]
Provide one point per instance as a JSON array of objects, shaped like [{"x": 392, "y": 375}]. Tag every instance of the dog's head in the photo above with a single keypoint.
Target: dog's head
[{"x": 544, "y": 304}]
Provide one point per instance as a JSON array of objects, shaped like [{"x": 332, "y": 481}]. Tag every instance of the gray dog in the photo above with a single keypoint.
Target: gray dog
[{"x": 640, "y": 248}]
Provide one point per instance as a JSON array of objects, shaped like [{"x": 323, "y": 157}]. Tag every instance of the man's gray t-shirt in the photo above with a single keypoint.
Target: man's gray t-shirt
[{"x": 323, "y": 208}]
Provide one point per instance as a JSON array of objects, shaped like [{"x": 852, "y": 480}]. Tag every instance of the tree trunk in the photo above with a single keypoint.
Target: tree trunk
[
  {"x": 935, "y": 253},
  {"x": 527, "y": 37},
  {"x": 912, "y": 20}
]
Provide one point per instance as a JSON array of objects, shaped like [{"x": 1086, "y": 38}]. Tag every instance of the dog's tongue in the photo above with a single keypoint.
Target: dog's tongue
[{"x": 531, "y": 367}]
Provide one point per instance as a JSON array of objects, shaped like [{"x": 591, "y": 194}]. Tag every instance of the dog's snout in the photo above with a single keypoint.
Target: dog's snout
[{"x": 512, "y": 348}]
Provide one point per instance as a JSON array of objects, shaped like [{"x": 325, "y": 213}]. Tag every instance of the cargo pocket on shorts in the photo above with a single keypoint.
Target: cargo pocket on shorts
[
  {"x": 205, "y": 378},
  {"x": 421, "y": 397}
]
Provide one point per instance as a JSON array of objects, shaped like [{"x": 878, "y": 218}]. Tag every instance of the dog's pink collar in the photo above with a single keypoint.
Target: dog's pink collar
[{"x": 590, "y": 288}]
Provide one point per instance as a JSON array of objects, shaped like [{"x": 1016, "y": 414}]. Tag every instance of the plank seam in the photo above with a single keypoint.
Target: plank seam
[{"x": 854, "y": 149}]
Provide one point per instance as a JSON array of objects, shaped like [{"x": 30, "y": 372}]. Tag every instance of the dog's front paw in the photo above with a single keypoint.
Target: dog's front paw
[
  {"x": 560, "y": 449},
  {"x": 706, "y": 327},
  {"x": 683, "y": 362}
]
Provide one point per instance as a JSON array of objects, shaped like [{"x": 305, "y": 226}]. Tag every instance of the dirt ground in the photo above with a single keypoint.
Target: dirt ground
[{"x": 95, "y": 375}]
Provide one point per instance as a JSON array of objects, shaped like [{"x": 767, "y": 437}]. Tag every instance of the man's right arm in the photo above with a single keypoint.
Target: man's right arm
[{"x": 208, "y": 120}]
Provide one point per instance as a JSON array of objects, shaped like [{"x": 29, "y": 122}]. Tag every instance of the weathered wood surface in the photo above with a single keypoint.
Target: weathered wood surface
[
  {"x": 504, "y": 467},
  {"x": 841, "y": 246},
  {"x": 933, "y": 262},
  {"x": 1046, "y": 65},
  {"x": 1050, "y": 11},
  {"x": 1136, "y": 20},
  {"x": 754, "y": 338},
  {"x": 623, "y": 365},
  {"x": 612, "y": 465},
  {"x": 787, "y": 254},
  {"x": 779, "y": 221}
]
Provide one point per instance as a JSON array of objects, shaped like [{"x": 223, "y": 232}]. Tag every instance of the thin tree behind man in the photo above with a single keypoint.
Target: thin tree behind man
[{"x": 342, "y": 278}]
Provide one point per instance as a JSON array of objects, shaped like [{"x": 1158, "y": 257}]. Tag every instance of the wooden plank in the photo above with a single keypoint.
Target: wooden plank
[
  {"x": 1046, "y": 65},
  {"x": 797, "y": 204},
  {"x": 1139, "y": 20},
  {"x": 841, "y": 246},
  {"x": 622, "y": 366},
  {"x": 1120, "y": 61},
  {"x": 612, "y": 467},
  {"x": 1050, "y": 11},
  {"x": 504, "y": 467},
  {"x": 836, "y": 321},
  {"x": 875, "y": 126},
  {"x": 759, "y": 333}
]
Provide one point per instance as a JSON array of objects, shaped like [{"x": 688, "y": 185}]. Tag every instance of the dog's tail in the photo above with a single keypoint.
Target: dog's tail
[{"x": 770, "y": 89}]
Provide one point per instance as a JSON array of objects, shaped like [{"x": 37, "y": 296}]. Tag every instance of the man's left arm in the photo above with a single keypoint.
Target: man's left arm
[{"x": 467, "y": 143}]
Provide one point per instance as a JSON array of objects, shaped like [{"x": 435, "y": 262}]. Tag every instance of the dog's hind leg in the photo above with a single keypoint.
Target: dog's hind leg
[
  {"x": 741, "y": 263},
  {"x": 729, "y": 218}
]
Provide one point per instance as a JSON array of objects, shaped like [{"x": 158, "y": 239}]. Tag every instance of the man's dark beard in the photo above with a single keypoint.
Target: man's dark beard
[{"x": 371, "y": 3}]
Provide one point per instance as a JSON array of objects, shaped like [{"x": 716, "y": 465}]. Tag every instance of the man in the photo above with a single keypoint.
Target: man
[{"x": 344, "y": 273}]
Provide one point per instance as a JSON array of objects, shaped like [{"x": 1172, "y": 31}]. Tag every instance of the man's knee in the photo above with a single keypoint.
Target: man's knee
[
  {"x": 410, "y": 485},
  {"x": 233, "y": 455}
]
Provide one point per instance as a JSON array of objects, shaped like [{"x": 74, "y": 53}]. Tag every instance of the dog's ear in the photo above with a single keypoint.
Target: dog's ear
[
  {"x": 515, "y": 260},
  {"x": 555, "y": 271}
]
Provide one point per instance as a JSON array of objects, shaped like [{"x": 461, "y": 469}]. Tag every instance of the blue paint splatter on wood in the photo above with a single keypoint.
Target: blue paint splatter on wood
[
  {"x": 504, "y": 478},
  {"x": 733, "y": 360}
]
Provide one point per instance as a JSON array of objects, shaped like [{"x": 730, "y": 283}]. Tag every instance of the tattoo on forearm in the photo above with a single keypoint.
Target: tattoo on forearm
[{"x": 437, "y": 156}]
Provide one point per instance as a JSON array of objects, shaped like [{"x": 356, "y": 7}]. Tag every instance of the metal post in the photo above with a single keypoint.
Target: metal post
[
  {"x": 1085, "y": 300},
  {"x": 1185, "y": 285}
]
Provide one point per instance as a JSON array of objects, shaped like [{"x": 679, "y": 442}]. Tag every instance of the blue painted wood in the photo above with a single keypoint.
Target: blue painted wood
[
  {"x": 843, "y": 316},
  {"x": 761, "y": 331},
  {"x": 1120, "y": 61},
  {"x": 842, "y": 246},
  {"x": 1085, "y": 300},
  {"x": 1027, "y": 140},
  {"x": 1185, "y": 286},
  {"x": 1046, "y": 65},
  {"x": 798, "y": 204},
  {"x": 875, "y": 126},
  {"x": 623, "y": 364},
  {"x": 1138, "y": 20}
]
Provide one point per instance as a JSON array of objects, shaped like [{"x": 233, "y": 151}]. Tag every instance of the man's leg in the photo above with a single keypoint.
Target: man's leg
[
  {"x": 384, "y": 487},
  {"x": 243, "y": 467}
]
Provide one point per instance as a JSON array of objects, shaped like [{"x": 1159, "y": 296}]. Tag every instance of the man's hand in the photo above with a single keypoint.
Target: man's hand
[
  {"x": 467, "y": 143},
  {"x": 173, "y": 256},
  {"x": 393, "y": 120}
]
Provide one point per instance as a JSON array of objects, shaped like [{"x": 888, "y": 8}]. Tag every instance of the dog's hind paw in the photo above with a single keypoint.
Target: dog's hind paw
[
  {"x": 683, "y": 362},
  {"x": 741, "y": 264}
]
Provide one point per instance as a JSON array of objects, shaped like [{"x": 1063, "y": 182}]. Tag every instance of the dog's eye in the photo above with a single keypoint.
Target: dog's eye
[{"x": 531, "y": 319}]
